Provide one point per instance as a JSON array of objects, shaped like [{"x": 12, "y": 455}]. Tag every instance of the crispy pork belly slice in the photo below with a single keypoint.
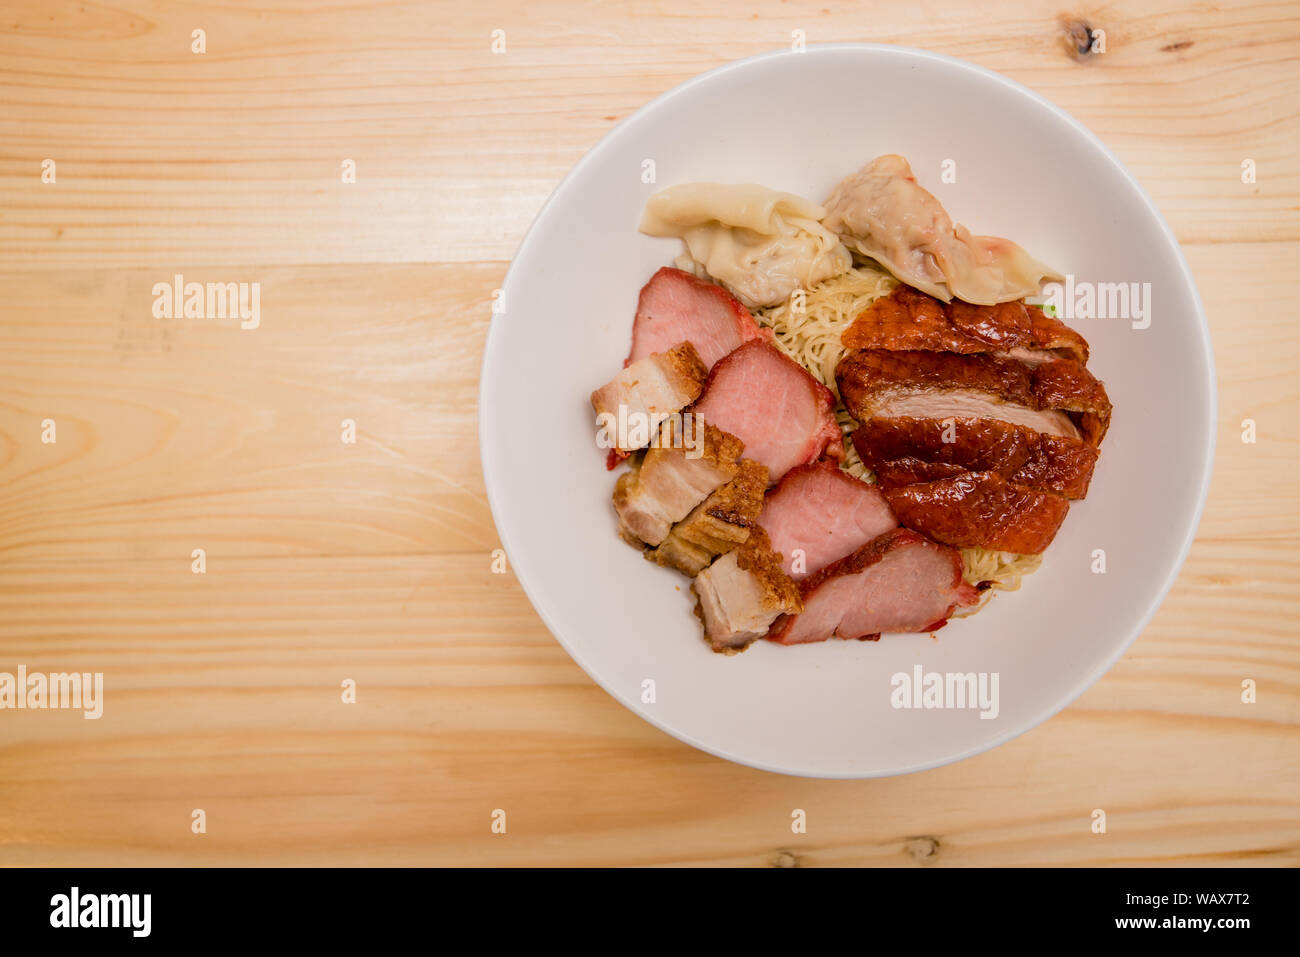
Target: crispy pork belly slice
[
  {"x": 940, "y": 385},
  {"x": 897, "y": 582},
  {"x": 676, "y": 307},
  {"x": 688, "y": 558},
  {"x": 906, "y": 450},
  {"x": 717, "y": 525},
  {"x": 681, "y": 469},
  {"x": 784, "y": 416},
  {"x": 647, "y": 391},
  {"x": 739, "y": 596},
  {"x": 909, "y": 319},
  {"x": 820, "y": 513},
  {"x": 981, "y": 509}
]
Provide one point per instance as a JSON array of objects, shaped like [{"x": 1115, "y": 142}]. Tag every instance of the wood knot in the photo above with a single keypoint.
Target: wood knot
[
  {"x": 785, "y": 858},
  {"x": 924, "y": 849},
  {"x": 1175, "y": 47},
  {"x": 1081, "y": 39}
]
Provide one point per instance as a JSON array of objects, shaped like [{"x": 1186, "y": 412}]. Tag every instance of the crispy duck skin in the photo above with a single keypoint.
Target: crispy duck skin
[
  {"x": 739, "y": 596},
  {"x": 879, "y": 382},
  {"x": 912, "y": 471},
  {"x": 905, "y": 450},
  {"x": 717, "y": 525},
  {"x": 1066, "y": 385},
  {"x": 981, "y": 509},
  {"x": 908, "y": 319}
]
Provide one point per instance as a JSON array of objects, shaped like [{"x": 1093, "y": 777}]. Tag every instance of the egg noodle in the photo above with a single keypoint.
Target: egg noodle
[{"x": 809, "y": 332}]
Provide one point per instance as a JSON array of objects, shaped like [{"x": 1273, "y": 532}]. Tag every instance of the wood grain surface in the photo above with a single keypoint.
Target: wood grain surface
[{"x": 371, "y": 561}]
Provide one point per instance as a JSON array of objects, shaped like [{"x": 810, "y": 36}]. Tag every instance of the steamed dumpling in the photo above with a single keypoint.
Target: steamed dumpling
[
  {"x": 883, "y": 213},
  {"x": 759, "y": 243}
]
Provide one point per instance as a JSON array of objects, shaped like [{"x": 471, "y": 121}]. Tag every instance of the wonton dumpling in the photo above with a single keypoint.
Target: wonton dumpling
[
  {"x": 883, "y": 213},
  {"x": 759, "y": 243}
]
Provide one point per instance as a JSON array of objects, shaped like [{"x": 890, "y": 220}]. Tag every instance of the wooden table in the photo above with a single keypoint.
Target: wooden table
[{"x": 370, "y": 561}]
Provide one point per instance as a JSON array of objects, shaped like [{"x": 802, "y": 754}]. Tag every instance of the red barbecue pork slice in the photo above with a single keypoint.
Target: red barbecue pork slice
[
  {"x": 677, "y": 307},
  {"x": 904, "y": 450},
  {"x": 981, "y": 509},
  {"x": 820, "y": 513},
  {"x": 784, "y": 416},
  {"x": 910, "y": 319},
  {"x": 898, "y": 582}
]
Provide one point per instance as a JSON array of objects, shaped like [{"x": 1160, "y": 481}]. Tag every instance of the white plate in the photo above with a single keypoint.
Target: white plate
[{"x": 800, "y": 122}]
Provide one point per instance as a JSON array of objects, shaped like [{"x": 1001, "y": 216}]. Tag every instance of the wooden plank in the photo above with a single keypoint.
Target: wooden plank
[
  {"x": 234, "y": 155},
  {"x": 174, "y": 434},
  {"x": 223, "y": 693}
]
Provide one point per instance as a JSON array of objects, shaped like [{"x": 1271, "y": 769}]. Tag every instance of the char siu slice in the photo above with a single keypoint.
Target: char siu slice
[
  {"x": 897, "y": 582},
  {"x": 981, "y": 509},
  {"x": 647, "y": 391},
  {"x": 820, "y": 513},
  {"x": 676, "y": 307},
  {"x": 940, "y": 385},
  {"x": 717, "y": 525},
  {"x": 908, "y": 319},
  {"x": 905, "y": 450},
  {"x": 784, "y": 416},
  {"x": 739, "y": 596},
  {"x": 683, "y": 467}
]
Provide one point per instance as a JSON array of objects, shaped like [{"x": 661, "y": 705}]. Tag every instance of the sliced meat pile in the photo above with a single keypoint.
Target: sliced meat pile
[
  {"x": 647, "y": 391},
  {"x": 694, "y": 505},
  {"x": 742, "y": 593},
  {"x": 897, "y": 582},
  {"x": 717, "y": 525},
  {"x": 980, "y": 422},
  {"x": 677, "y": 307},
  {"x": 820, "y": 513},
  {"x": 784, "y": 416},
  {"x": 681, "y": 470}
]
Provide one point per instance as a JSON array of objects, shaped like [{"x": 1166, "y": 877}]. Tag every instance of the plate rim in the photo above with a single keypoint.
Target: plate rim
[{"x": 489, "y": 464}]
